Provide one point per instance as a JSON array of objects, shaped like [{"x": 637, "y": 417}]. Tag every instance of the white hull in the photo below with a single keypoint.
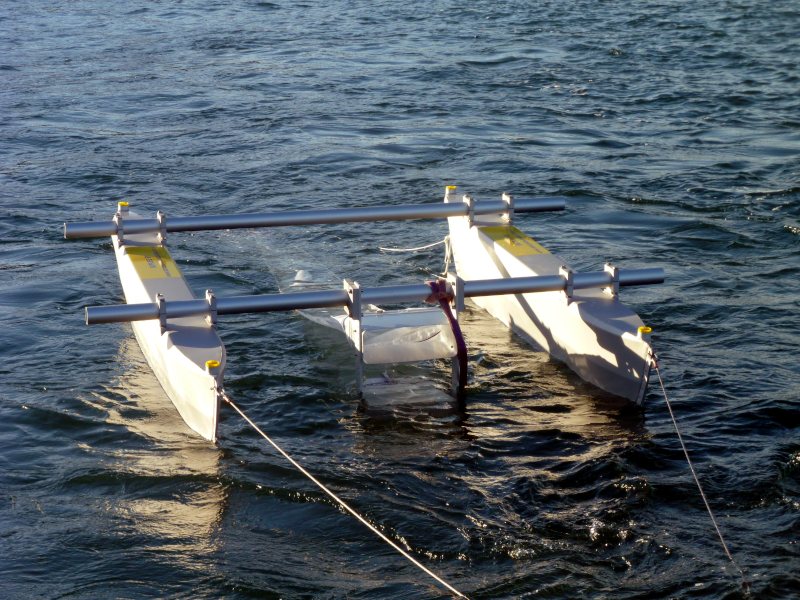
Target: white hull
[
  {"x": 178, "y": 357},
  {"x": 596, "y": 335}
]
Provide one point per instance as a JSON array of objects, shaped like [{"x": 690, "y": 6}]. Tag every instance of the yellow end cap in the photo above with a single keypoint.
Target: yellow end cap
[
  {"x": 123, "y": 204},
  {"x": 645, "y": 329},
  {"x": 212, "y": 364},
  {"x": 450, "y": 187}
]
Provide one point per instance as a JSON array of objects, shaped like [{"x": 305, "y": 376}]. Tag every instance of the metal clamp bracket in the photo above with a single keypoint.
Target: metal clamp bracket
[
  {"x": 613, "y": 289},
  {"x": 354, "y": 334},
  {"x": 471, "y": 214},
  {"x": 211, "y": 319},
  {"x": 509, "y": 216},
  {"x": 354, "y": 296},
  {"x": 162, "y": 312},
  {"x": 569, "y": 288},
  {"x": 162, "y": 224},
  {"x": 120, "y": 234},
  {"x": 457, "y": 291}
]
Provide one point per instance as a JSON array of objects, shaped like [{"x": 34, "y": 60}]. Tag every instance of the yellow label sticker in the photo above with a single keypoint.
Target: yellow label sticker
[
  {"x": 513, "y": 240},
  {"x": 153, "y": 263}
]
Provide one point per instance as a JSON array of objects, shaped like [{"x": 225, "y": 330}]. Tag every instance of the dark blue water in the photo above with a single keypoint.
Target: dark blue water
[{"x": 674, "y": 131}]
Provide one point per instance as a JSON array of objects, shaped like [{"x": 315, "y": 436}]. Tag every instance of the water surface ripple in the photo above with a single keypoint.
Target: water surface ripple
[{"x": 674, "y": 130}]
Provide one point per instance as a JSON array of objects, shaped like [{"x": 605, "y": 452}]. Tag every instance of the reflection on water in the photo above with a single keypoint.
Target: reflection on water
[
  {"x": 527, "y": 424},
  {"x": 509, "y": 375},
  {"x": 520, "y": 403},
  {"x": 171, "y": 481}
]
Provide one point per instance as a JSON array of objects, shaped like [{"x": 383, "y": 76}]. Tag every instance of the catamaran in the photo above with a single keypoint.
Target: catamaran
[{"x": 577, "y": 317}]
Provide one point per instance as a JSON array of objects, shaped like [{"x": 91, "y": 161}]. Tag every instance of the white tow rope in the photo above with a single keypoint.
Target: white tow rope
[
  {"x": 745, "y": 585},
  {"x": 341, "y": 502},
  {"x": 412, "y": 249},
  {"x": 448, "y": 253}
]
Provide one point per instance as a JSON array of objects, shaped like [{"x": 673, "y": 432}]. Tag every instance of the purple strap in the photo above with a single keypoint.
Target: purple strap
[{"x": 439, "y": 293}]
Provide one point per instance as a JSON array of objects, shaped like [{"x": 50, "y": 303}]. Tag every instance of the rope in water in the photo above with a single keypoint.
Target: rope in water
[
  {"x": 340, "y": 501},
  {"x": 448, "y": 253},
  {"x": 412, "y": 249},
  {"x": 694, "y": 473},
  {"x": 428, "y": 571}
]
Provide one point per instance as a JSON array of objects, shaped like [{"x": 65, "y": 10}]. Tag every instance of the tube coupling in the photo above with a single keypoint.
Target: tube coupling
[
  {"x": 613, "y": 289},
  {"x": 569, "y": 285},
  {"x": 162, "y": 312},
  {"x": 211, "y": 319},
  {"x": 509, "y": 216},
  {"x": 162, "y": 226}
]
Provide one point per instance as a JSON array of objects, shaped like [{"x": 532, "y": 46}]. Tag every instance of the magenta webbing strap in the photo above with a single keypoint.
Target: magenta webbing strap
[{"x": 439, "y": 293}]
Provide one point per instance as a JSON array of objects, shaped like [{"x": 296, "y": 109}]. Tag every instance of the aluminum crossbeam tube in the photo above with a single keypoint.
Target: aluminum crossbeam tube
[
  {"x": 187, "y": 308},
  {"x": 331, "y": 298},
  {"x": 395, "y": 294},
  {"x": 651, "y": 276},
  {"x": 276, "y": 302},
  {"x": 233, "y": 305},
  {"x": 555, "y": 283},
  {"x": 312, "y": 217},
  {"x": 121, "y": 313},
  {"x": 513, "y": 285}
]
